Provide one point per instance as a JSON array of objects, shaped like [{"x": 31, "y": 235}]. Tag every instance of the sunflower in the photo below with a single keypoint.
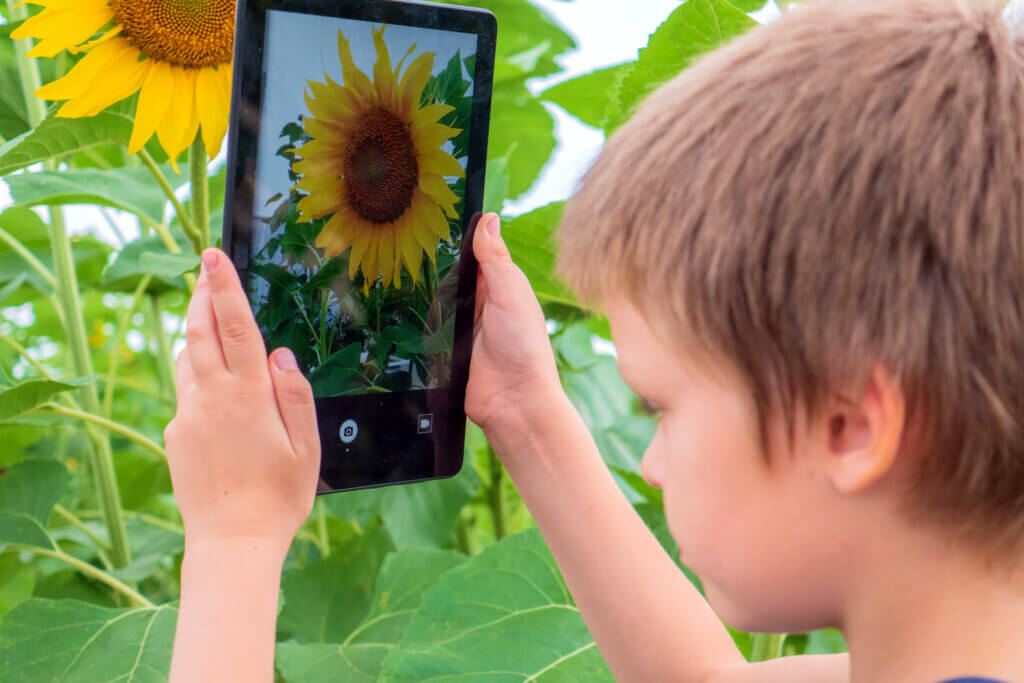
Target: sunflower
[
  {"x": 176, "y": 52},
  {"x": 375, "y": 164}
]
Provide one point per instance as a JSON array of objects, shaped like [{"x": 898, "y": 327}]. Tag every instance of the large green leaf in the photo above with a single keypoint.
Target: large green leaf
[
  {"x": 33, "y": 487},
  {"x": 587, "y": 97},
  {"x": 400, "y": 585},
  {"x": 504, "y": 615},
  {"x": 148, "y": 256},
  {"x": 529, "y": 239},
  {"x": 523, "y": 131},
  {"x": 151, "y": 546},
  {"x": 75, "y": 642},
  {"x": 695, "y": 27},
  {"x": 19, "y": 528},
  {"x": 129, "y": 189},
  {"x": 25, "y": 396},
  {"x": 57, "y": 137},
  {"x": 416, "y": 515},
  {"x": 324, "y": 601}
]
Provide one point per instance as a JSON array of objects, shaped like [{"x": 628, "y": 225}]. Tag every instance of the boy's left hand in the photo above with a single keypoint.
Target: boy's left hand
[{"x": 243, "y": 448}]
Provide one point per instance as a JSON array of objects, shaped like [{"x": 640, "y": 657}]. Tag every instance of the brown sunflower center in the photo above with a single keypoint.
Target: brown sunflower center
[
  {"x": 189, "y": 33},
  {"x": 380, "y": 166}
]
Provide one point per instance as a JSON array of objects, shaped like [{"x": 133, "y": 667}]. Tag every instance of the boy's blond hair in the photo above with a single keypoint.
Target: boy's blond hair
[{"x": 839, "y": 189}]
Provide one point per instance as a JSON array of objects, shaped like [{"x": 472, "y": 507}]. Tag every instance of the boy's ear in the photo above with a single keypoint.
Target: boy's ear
[{"x": 862, "y": 434}]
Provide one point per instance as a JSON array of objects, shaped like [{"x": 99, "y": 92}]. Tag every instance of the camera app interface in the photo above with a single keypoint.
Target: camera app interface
[{"x": 358, "y": 209}]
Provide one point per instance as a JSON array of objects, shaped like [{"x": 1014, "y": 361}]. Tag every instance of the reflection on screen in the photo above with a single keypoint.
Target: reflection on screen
[{"x": 364, "y": 141}]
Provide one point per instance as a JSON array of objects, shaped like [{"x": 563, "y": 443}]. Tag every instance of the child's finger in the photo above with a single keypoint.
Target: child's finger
[
  {"x": 295, "y": 403},
  {"x": 202, "y": 345},
  {"x": 501, "y": 275},
  {"x": 183, "y": 375},
  {"x": 240, "y": 339}
]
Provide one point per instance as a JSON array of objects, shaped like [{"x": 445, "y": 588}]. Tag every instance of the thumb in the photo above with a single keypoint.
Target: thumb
[
  {"x": 500, "y": 273},
  {"x": 295, "y": 403}
]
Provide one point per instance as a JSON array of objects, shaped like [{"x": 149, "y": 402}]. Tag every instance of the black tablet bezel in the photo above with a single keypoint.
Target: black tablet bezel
[{"x": 446, "y": 405}]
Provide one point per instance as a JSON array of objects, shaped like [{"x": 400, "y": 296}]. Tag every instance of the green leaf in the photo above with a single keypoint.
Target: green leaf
[
  {"x": 17, "y": 581},
  {"x": 127, "y": 189},
  {"x": 748, "y": 5},
  {"x": 417, "y": 515},
  {"x": 337, "y": 372},
  {"x": 29, "y": 229},
  {"x": 496, "y": 184},
  {"x": 529, "y": 239},
  {"x": 33, "y": 487},
  {"x": 75, "y": 642},
  {"x": 147, "y": 256},
  {"x": 523, "y": 131},
  {"x": 324, "y": 601},
  {"x": 151, "y": 546},
  {"x": 695, "y": 27},
  {"x": 21, "y": 529},
  {"x": 587, "y": 97},
  {"x": 462, "y": 629},
  {"x": 400, "y": 585},
  {"x": 27, "y": 395},
  {"x": 167, "y": 266},
  {"x": 56, "y": 137}
]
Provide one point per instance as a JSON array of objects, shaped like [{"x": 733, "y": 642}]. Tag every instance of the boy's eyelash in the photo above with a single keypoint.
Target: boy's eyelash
[{"x": 649, "y": 408}]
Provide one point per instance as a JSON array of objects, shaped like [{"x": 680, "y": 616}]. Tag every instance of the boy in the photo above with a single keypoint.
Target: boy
[{"x": 810, "y": 247}]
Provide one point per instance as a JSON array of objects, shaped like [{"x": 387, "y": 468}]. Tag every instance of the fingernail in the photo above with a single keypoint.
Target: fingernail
[
  {"x": 285, "y": 360},
  {"x": 209, "y": 259},
  {"x": 494, "y": 226}
]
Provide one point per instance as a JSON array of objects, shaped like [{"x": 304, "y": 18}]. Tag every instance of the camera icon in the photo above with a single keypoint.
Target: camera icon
[{"x": 349, "y": 431}]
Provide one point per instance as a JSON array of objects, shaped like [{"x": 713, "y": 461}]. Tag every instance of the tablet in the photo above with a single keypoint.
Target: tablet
[{"x": 355, "y": 176}]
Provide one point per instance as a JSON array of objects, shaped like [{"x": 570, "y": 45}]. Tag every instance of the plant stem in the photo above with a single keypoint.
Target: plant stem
[
  {"x": 89, "y": 570},
  {"x": 164, "y": 357},
  {"x": 200, "y": 189},
  {"x": 321, "y": 526},
  {"x": 110, "y": 426},
  {"x": 191, "y": 231},
  {"x": 765, "y": 646},
  {"x": 28, "y": 70},
  {"x": 22, "y": 251},
  {"x": 172, "y": 246},
  {"x": 101, "y": 545},
  {"x": 494, "y": 495},
  {"x": 115, "y": 358}
]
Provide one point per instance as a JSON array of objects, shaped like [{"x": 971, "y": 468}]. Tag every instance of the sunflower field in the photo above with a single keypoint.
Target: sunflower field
[{"x": 122, "y": 106}]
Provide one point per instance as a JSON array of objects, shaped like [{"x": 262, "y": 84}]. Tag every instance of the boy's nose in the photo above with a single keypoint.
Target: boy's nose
[{"x": 651, "y": 468}]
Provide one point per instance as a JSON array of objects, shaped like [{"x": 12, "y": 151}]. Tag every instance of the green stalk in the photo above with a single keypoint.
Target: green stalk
[
  {"x": 191, "y": 231},
  {"x": 321, "y": 526},
  {"x": 101, "y": 462},
  {"x": 164, "y": 357},
  {"x": 115, "y": 358},
  {"x": 110, "y": 426},
  {"x": 90, "y": 571},
  {"x": 31, "y": 260},
  {"x": 101, "y": 545},
  {"x": 200, "y": 190},
  {"x": 494, "y": 495},
  {"x": 765, "y": 646}
]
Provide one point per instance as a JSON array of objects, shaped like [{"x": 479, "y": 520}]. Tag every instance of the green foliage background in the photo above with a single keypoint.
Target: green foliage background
[{"x": 380, "y": 585}]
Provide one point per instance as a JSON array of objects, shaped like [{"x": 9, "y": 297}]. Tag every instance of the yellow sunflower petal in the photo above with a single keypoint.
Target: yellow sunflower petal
[
  {"x": 370, "y": 265},
  {"x": 435, "y": 187},
  {"x": 434, "y": 135},
  {"x": 63, "y": 26},
  {"x": 212, "y": 108},
  {"x": 432, "y": 113},
  {"x": 383, "y": 78},
  {"x": 411, "y": 89},
  {"x": 355, "y": 79},
  {"x": 154, "y": 101},
  {"x": 123, "y": 78},
  {"x": 174, "y": 129},
  {"x": 83, "y": 74},
  {"x": 359, "y": 247},
  {"x": 440, "y": 163},
  {"x": 412, "y": 252}
]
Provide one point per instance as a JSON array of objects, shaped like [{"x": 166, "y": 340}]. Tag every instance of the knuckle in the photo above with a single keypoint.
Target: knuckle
[
  {"x": 194, "y": 333},
  {"x": 235, "y": 330}
]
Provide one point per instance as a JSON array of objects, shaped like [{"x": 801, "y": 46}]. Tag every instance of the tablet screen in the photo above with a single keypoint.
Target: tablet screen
[{"x": 355, "y": 237}]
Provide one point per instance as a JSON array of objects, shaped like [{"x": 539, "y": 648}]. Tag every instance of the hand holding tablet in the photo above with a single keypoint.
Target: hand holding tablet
[{"x": 356, "y": 168}]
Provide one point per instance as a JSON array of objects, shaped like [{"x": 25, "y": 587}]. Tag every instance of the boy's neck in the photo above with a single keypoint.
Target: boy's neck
[{"x": 926, "y": 612}]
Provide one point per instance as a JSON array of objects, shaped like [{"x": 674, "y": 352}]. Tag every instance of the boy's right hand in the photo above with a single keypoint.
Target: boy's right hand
[{"x": 513, "y": 381}]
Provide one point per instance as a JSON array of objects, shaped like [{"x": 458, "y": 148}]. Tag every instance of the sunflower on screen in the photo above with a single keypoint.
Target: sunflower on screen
[{"x": 376, "y": 165}]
